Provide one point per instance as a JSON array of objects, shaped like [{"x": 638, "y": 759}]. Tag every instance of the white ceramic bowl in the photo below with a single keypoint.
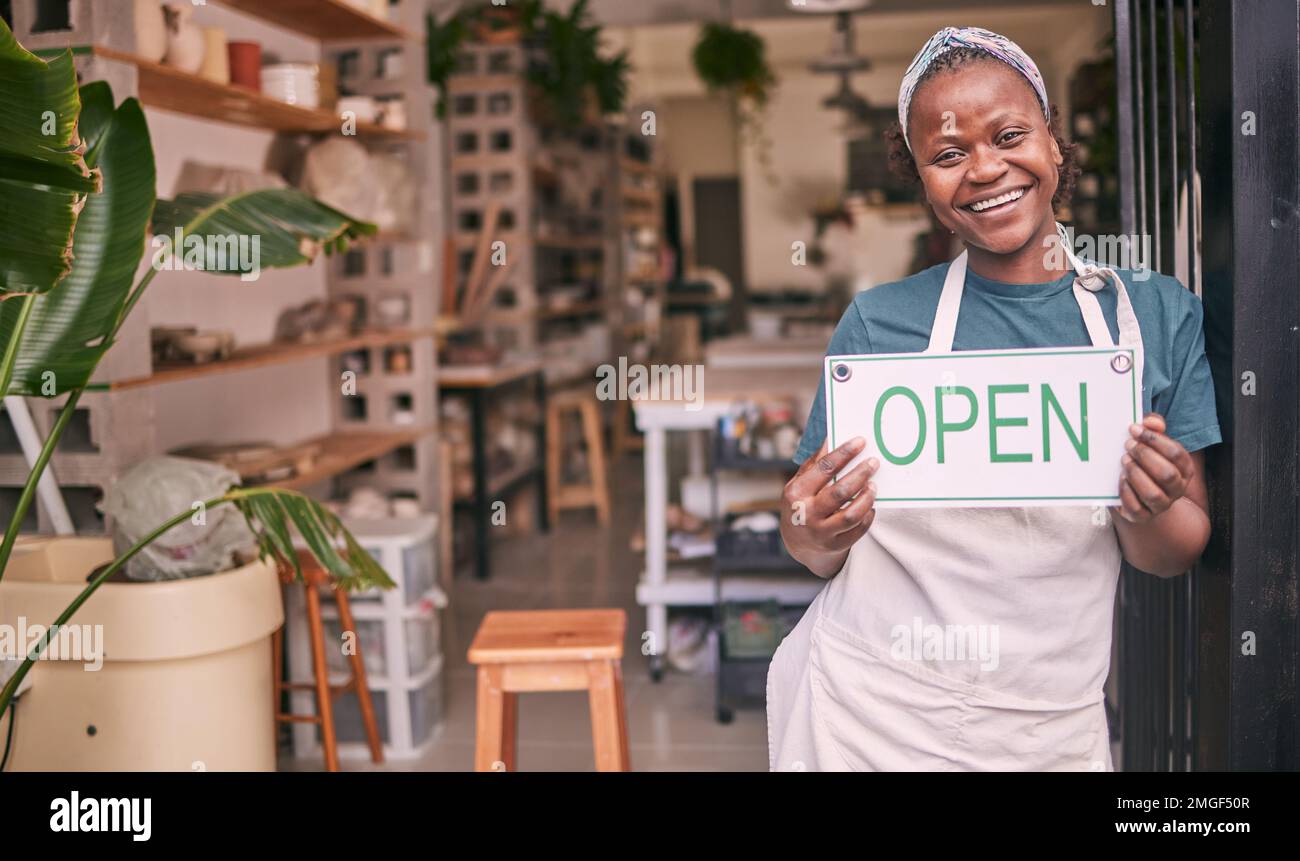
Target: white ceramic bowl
[{"x": 292, "y": 83}]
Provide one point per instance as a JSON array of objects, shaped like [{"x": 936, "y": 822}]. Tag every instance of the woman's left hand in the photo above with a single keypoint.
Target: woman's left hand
[{"x": 1156, "y": 471}]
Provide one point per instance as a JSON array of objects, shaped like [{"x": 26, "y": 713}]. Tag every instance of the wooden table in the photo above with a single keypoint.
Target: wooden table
[{"x": 478, "y": 384}]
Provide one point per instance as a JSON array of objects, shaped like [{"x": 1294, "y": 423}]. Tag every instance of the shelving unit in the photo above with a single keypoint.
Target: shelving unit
[
  {"x": 383, "y": 436},
  {"x": 741, "y": 678},
  {"x": 172, "y": 89},
  {"x": 265, "y": 355},
  {"x": 640, "y": 215},
  {"x": 550, "y": 190}
]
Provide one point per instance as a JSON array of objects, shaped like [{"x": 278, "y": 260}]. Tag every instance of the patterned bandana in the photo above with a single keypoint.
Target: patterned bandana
[{"x": 998, "y": 47}]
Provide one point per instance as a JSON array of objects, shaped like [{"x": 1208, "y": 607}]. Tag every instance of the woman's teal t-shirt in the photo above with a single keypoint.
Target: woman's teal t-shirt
[{"x": 897, "y": 317}]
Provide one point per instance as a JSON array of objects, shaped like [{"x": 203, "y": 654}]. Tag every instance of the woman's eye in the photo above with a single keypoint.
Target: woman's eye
[
  {"x": 947, "y": 156},
  {"x": 1008, "y": 137}
]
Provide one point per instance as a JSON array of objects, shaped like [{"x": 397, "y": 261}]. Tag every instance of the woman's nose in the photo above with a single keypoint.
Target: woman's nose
[{"x": 986, "y": 165}]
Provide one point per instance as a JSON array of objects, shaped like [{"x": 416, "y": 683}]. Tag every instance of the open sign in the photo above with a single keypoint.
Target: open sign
[{"x": 988, "y": 428}]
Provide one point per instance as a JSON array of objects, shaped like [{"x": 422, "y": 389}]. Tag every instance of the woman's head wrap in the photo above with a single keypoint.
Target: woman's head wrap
[{"x": 997, "y": 47}]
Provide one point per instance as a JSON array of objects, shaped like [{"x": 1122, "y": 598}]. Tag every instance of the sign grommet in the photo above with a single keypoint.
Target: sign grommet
[
  {"x": 842, "y": 372},
  {"x": 1121, "y": 363}
]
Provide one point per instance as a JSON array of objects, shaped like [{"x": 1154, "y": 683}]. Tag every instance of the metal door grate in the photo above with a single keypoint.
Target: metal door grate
[{"x": 1156, "y": 73}]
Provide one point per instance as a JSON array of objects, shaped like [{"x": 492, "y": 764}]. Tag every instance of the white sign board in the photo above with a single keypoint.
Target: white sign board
[{"x": 987, "y": 428}]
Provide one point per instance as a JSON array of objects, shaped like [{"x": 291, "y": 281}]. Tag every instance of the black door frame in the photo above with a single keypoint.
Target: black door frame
[
  {"x": 1251, "y": 62},
  {"x": 1209, "y": 661}
]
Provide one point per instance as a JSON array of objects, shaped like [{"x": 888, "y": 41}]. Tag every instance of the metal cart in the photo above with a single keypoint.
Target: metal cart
[{"x": 742, "y": 666}]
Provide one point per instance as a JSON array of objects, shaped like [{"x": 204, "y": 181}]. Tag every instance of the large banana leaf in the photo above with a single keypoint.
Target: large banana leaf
[
  {"x": 281, "y": 226},
  {"x": 43, "y": 177},
  {"x": 69, "y": 326}
]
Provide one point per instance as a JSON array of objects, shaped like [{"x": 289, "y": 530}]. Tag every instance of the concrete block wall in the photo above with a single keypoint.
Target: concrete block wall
[{"x": 401, "y": 267}]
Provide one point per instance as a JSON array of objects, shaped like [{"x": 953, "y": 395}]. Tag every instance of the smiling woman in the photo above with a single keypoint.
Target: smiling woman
[{"x": 975, "y": 128}]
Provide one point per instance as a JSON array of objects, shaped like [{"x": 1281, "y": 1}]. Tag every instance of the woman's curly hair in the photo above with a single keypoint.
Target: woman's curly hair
[{"x": 902, "y": 164}]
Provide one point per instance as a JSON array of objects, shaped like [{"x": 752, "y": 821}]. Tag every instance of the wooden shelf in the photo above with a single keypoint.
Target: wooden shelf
[
  {"x": 171, "y": 89},
  {"x": 478, "y": 83},
  {"x": 641, "y": 219},
  {"x": 578, "y": 309},
  {"x": 571, "y": 243},
  {"x": 514, "y": 239},
  {"x": 631, "y": 165},
  {"x": 347, "y": 450},
  {"x": 263, "y": 355},
  {"x": 644, "y": 196},
  {"x": 320, "y": 19}
]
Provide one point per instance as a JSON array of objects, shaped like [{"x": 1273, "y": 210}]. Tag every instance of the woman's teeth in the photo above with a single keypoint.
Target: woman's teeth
[{"x": 997, "y": 201}]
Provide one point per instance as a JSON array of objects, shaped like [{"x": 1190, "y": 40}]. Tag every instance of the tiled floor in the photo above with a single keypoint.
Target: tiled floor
[{"x": 578, "y": 564}]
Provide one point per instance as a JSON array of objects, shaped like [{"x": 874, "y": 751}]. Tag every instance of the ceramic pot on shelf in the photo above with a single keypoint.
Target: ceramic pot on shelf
[
  {"x": 184, "y": 38},
  {"x": 245, "y": 65},
  {"x": 216, "y": 57},
  {"x": 150, "y": 30}
]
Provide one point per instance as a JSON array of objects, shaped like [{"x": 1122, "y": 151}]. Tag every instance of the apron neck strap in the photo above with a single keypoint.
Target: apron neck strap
[{"x": 1089, "y": 279}]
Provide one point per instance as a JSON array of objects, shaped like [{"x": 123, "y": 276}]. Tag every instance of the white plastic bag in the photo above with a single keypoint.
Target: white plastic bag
[{"x": 156, "y": 490}]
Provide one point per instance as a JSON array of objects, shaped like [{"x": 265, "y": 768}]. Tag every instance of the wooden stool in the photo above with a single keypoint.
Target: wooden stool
[
  {"x": 315, "y": 577},
  {"x": 559, "y": 495},
  {"x": 626, "y": 439},
  {"x": 549, "y": 650}
]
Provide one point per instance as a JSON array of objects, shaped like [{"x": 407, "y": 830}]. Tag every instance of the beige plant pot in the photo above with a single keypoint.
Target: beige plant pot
[{"x": 185, "y": 681}]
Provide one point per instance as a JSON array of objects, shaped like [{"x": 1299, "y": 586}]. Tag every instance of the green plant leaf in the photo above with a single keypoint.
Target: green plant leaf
[
  {"x": 271, "y": 512},
  {"x": 43, "y": 176},
  {"x": 442, "y": 51},
  {"x": 69, "y": 327},
  {"x": 281, "y": 227}
]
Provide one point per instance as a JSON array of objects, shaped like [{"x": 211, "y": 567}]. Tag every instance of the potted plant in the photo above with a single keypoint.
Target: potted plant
[
  {"x": 732, "y": 61},
  {"x": 572, "y": 84},
  {"x": 79, "y": 178}
]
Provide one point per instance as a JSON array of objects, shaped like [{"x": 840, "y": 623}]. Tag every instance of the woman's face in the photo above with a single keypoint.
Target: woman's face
[{"x": 986, "y": 156}]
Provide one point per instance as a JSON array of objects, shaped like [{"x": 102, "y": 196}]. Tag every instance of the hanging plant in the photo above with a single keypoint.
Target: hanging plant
[{"x": 732, "y": 61}]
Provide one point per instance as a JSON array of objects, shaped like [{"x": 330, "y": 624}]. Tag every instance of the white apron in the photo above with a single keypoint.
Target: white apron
[{"x": 960, "y": 639}]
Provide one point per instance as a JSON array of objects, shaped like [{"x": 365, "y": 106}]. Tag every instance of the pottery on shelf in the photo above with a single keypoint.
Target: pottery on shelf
[
  {"x": 363, "y": 109},
  {"x": 245, "y": 64},
  {"x": 184, "y": 38},
  {"x": 216, "y": 58},
  {"x": 203, "y": 347},
  {"x": 150, "y": 30},
  {"x": 292, "y": 83}
]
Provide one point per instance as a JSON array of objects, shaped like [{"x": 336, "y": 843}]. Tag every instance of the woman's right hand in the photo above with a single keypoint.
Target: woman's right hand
[{"x": 820, "y": 518}]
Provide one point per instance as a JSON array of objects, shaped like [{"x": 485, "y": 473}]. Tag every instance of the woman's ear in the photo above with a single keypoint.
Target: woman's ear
[{"x": 1056, "y": 153}]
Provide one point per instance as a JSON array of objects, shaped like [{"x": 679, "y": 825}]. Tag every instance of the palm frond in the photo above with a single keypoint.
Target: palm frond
[
  {"x": 290, "y": 228},
  {"x": 274, "y": 515}
]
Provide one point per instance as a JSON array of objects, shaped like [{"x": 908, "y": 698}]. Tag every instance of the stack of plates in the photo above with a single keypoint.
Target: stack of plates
[{"x": 293, "y": 83}]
